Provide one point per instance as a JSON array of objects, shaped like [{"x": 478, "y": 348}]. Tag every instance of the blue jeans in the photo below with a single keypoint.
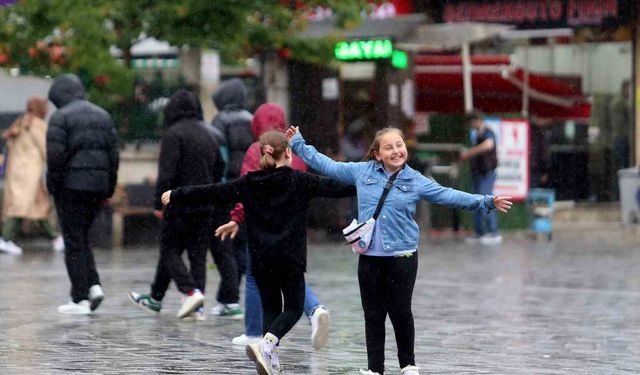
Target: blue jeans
[
  {"x": 253, "y": 304},
  {"x": 483, "y": 184}
]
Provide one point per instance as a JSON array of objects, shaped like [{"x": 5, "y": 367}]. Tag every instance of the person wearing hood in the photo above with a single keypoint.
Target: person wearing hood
[
  {"x": 234, "y": 125},
  {"x": 270, "y": 116},
  {"x": 82, "y": 171},
  {"x": 25, "y": 195},
  {"x": 189, "y": 155},
  {"x": 276, "y": 199}
]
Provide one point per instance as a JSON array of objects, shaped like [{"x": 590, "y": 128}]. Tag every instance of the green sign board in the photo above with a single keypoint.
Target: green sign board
[
  {"x": 399, "y": 60},
  {"x": 364, "y": 49}
]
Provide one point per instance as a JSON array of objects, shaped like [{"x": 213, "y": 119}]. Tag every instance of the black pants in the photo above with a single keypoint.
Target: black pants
[
  {"x": 76, "y": 212},
  {"x": 179, "y": 232},
  {"x": 274, "y": 285},
  {"x": 386, "y": 287},
  {"x": 194, "y": 232},
  {"x": 223, "y": 257}
]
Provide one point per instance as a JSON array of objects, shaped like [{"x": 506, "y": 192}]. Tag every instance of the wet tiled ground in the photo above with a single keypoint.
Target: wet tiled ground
[{"x": 571, "y": 306}]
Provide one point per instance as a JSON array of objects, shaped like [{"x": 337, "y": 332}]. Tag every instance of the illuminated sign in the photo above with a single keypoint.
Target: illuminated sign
[
  {"x": 399, "y": 60},
  {"x": 364, "y": 49}
]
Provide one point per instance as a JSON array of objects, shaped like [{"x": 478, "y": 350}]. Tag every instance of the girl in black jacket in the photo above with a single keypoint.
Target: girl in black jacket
[{"x": 276, "y": 199}]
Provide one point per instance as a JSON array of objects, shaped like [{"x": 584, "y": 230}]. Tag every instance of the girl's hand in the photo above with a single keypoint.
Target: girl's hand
[
  {"x": 166, "y": 197},
  {"x": 502, "y": 203},
  {"x": 229, "y": 229},
  {"x": 293, "y": 130}
]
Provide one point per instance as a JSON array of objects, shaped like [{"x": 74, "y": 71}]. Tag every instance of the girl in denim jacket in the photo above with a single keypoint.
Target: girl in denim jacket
[{"x": 387, "y": 270}]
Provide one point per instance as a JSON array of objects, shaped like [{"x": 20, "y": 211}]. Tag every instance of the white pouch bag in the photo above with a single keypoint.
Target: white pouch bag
[{"x": 359, "y": 235}]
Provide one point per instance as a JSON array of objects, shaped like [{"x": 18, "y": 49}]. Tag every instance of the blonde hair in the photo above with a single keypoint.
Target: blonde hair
[
  {"x": 375, "y": 145},
  {"x": 278, "y": 141}
]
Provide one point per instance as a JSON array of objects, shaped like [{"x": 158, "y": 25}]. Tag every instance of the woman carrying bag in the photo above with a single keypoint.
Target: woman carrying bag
[
  {"x": 388, "y": 191},
  {"x": 25, "y": 195}
]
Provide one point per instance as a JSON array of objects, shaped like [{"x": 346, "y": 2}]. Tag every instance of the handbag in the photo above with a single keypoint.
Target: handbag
[{"x": 358, "y": 235}]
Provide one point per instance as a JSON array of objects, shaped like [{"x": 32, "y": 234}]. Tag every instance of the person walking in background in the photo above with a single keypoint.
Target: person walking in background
[
  {"x": 189, "y": 155},
  {"x": 276, "y": 199},
  {"x": 620, "y": 117},
  {"x": 484, "y": 161},
  {"x": 233, "y": 122},
  {"x": 25, "y": 194},
  {"x": 387, "y": 269},
  {"x": 269, "y": 117},
  {"x": 82, "y": 162}
]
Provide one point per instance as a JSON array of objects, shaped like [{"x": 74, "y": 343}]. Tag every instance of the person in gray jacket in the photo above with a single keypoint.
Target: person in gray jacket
[
  {"x": 82, "y": 162},
  {"x": 234, "y": 124}
]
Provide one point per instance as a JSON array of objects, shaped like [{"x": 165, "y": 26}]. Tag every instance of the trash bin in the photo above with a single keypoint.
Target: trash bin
[
  {"x": 540, "y": 203},
  {"x": 629, "y": 185}
]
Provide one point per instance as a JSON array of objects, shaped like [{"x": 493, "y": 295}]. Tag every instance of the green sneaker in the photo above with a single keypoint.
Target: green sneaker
[
  {"x": 230, "y": 310},
  {"x": 145, "y": 302}
]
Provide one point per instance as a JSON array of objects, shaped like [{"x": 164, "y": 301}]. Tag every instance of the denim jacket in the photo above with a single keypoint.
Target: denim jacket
[{"x": 397, "y": 226}]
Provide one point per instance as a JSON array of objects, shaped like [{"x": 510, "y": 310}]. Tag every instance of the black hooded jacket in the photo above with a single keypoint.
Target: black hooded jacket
[
  {"x": 82, "y": 143},
  {"x": 234, "y": 123},
  {"x": 276, "y": 203},
  {"x": 189, "y": 154}
]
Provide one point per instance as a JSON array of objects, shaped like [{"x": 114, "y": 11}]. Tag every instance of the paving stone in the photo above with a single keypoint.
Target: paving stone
[{"x": 570, "y": 306}]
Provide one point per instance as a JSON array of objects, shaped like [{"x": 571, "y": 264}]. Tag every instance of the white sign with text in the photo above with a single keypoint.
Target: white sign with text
[{"x": 512, "y": 138}]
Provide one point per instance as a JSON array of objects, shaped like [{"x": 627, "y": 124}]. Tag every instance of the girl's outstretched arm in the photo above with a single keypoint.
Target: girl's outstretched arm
[
  {"x": 343, "y": 172},
  {"x": 203, "y": 194}
]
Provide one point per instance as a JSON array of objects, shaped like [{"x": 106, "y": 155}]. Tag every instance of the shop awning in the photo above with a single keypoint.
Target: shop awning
[{"x": 498, "y": 86}]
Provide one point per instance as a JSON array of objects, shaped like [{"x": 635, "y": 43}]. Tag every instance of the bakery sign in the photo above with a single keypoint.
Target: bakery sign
[{"x": 540, "y": 13}]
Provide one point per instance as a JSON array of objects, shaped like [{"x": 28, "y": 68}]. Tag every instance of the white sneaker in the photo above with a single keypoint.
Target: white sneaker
[
  {"x": 410, "y": 370},
  {"x": 57, "y": 244},
  {"x": 80, "y": 308},
  {"x": 262, "y": 360},
  {"x": 320, "y": 327},
  {"x": 491, "y": 239},
  {"x": 245, "y": 340},
  {"x": 191, "y": 303},
  {"x": 197, "y": 316},
  {"x": 368, "y": 372},
  {"x": 473, "y": 240},
  {"x": 10, "y": 247},
  {"x": 96, "y": 295}
]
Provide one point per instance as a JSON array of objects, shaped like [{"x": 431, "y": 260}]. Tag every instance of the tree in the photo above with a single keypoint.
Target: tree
[{"x": 56, "y": 36}]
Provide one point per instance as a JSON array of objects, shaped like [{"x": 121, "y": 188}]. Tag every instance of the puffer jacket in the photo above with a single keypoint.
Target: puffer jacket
[
  {"x": 189, "y": 153},
  {"x": 234, "y": 123},
  {"x": 82, "y": 143}
]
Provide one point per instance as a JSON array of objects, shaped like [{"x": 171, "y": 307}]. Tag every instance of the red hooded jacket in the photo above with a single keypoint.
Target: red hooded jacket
[{"x": 268, "y": 116}]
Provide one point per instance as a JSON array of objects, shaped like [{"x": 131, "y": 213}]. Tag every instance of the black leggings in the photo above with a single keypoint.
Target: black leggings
[
  {"x": 386, "y": 287},
  {"x": 275, "y": 285}
]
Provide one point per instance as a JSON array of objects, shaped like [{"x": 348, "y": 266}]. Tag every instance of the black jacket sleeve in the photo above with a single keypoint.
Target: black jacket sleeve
[
  {"x": 320, "y": 186},
  {"x": 170, "y": 149},
  {"x": 57, "y": 152},
  {"x": 114, "y": 161},
  {"x": 207, "y": 194}
]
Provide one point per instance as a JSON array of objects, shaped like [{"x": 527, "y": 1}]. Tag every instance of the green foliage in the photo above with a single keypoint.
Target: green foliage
[{"x": 47, "y": 38}]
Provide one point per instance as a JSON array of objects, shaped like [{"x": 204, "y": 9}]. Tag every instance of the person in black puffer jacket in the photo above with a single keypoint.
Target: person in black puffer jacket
[
  {"x": 189, "y": 155},
  {"x": 234, "y": 122},
  {"x": 82, "y": 162}
]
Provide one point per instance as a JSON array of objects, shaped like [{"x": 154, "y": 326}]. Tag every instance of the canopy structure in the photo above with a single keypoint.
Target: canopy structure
[{"x": 498, "y": 86}]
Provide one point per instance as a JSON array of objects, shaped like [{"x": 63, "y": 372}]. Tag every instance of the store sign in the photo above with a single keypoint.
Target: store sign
[
  {"x": 512, "y": 139},
  {"x": 364, "y": 49},
  {"x": 538, "y": 14}
]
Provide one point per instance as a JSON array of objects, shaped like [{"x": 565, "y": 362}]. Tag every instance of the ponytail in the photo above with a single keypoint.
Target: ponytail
[{"x": 272, "y": 148}]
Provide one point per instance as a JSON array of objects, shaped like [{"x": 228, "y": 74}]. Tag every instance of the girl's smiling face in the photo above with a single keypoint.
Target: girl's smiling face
[{"x": 392, "y": 151}]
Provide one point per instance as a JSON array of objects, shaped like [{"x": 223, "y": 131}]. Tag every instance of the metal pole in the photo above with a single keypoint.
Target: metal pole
[
  {"x": 466, "y": 78},
  {"x": 525, "y": 86}
]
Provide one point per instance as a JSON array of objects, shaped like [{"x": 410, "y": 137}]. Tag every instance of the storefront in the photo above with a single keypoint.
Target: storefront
[{"x": 574, "y": 55}]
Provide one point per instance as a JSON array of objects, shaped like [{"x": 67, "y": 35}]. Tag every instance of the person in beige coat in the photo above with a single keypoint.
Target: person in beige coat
[{"x": 25, "y": 195}]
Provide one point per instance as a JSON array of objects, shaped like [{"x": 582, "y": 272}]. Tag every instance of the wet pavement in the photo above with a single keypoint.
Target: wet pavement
[{"x": 571, "y": 306}]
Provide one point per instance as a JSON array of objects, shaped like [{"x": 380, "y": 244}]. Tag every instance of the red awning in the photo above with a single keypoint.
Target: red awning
[{"x": 497, "y": 87}]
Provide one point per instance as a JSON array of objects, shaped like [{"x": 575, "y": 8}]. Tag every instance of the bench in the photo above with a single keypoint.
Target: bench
[{"x": 130, "y": 200}]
